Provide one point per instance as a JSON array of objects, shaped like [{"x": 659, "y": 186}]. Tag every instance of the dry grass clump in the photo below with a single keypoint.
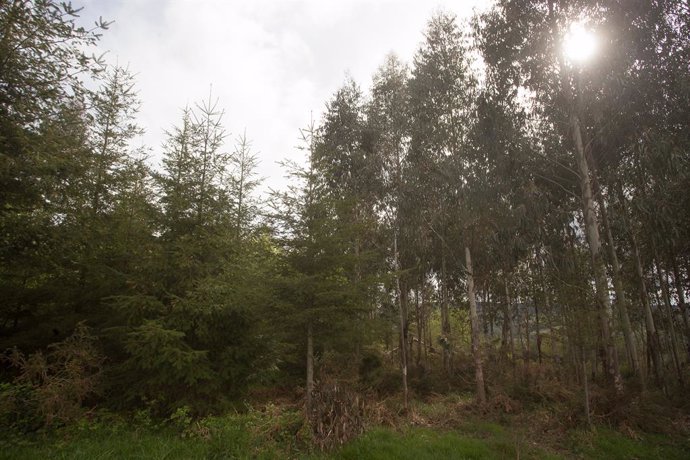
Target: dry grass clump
[{"x": 336, "y": 416}]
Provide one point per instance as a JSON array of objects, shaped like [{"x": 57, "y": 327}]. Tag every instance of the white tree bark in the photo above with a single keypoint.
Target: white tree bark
[
  {"x": 594, "y": 242},
  {"x": 476, "y": 333},
  {"x": 401, "y": 309}
]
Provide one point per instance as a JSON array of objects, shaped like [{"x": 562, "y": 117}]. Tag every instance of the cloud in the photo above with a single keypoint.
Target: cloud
[{"x": 271, "y": 64}]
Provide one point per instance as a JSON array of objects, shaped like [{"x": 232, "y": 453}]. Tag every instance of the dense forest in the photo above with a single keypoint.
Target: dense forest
[{"x": 497, "y": 218}]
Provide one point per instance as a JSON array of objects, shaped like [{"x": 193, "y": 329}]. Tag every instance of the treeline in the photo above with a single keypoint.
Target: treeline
[{"x": 491, "y": 208}]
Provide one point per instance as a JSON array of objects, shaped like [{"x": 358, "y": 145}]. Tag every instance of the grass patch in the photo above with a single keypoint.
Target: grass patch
[
  {"x": 98, "y": 445},
  {"x": 279, "y": 432},
  {"x": 424, "y": 443},
  {"x": 607, "y": 444},
  {"x": 267, "y": 435}
]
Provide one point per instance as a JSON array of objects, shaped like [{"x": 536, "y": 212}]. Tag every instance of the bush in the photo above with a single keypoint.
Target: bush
[
  {"x": 273, "y": 432},
  {"x": 336, "y": 417},
  {"x": 18, "y": 408},
  {"x": 52, "y": 387}
]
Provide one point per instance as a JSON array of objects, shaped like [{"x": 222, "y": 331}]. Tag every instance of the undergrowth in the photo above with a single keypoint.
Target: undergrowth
[{"x": 449, "y": 426}]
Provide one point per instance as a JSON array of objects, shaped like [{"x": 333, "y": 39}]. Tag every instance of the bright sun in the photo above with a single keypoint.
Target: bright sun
[{"x": 579, "y": 43}]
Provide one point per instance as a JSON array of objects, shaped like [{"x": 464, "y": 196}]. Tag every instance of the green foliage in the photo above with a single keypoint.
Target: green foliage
[
  {"x": 19, "y": 408},
  {"x": 167, "y": 368},
  {"x": 42, "y": 136}
]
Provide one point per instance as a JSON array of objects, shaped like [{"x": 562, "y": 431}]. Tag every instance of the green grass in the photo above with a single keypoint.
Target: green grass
[
  {"x": 263, "y": 436},
  {"x": 607, "y": 444},
  {"x": 115, "y": 445},
  {"x": 254, "y": 434},
  {"x": 423, "y": 443}
]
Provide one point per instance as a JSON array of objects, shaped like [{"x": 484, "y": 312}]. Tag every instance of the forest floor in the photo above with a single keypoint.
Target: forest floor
[{"x": 441, "y": 427}]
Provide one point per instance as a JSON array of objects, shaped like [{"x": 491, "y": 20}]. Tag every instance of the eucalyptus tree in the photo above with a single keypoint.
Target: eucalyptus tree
[
  {"x": 500, "y": 191},
  {"x": 603, "y": 106},
  {"x": 350, "y": 171},
  {"x": 440, "y": 101},
  {"x": 641, "y": 154},
  {"x": 388, "y": 119},
  {"x": 534, "y": 43},
  {"x": 343, "y": 155}
]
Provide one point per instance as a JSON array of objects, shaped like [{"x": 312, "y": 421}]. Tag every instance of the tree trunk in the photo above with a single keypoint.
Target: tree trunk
[
  {"x": 586, "y": 387},
  {"x": 492, "y": 300},
  {"x": 401, "y": 304},
  {"x": 526, "y": 352},
  {"x": 476, "y": 333},
  {"x": 678, "y": 284},
  {"x": 669, "y": 317},
  {"x": 653, "y": 346},
  {"x": 547, "y": 304},
  {"x": 505, "y": 326},
  {"x": 445, "y": 319},
  {"x": 511, "y": 328},
  {"x": 556, "y": 351},
  {"x": 538, "y": 328},
  {"x": 428, "y": 341},
  {"x": 420, "y": 329},
  {"x": 621, "y": 300},
  {"x": 310, "y": 367},
  {"x": 358, "y": 279},
  {"x": 594, "y": 242}
]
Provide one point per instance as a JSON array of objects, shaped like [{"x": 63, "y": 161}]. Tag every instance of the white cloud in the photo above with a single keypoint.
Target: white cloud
[{"x": 270, "y": 63}]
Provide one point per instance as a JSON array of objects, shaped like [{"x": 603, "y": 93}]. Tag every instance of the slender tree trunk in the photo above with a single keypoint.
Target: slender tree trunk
[
  {"x": 547, "y": 304},
  {"x": 401, "y": 304},
  {"x": 505, "y": 326},
  {"x": 445, "y": 319},
  {"x": 538, "y": 328},
  {"x": 680, "y": 291},
  {"x": 653, "y": 345},
  {"x": 669, "y": 317},
  {"x": 556, "y": 351},
  {"x": 490, "y": 300},
  {"x": 476, "y": 333},
  {"x": 621, "y": 300},
  {"x": 310, "y": 367},
  {"x": 527, "y": 352},
  {"x": 586, "y": 387},
  {"x": 358, "y": 279},
  {"x": 511, "y": 328},
  {"x": 594, "y": 242},
  {"x": 427, "y": 332},
  {"x": 420, "y": 328},
  {"x": 519, "y": 317}
]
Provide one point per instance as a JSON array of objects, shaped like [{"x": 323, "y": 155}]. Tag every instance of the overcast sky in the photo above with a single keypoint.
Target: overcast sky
[{"x": 270, "y": 63}]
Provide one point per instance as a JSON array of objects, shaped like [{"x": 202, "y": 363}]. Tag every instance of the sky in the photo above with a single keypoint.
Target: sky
[{"x": 271, "y": 64}]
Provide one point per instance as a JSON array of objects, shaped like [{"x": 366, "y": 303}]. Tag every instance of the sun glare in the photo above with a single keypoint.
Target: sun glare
[{"x": 580, "y": 43}]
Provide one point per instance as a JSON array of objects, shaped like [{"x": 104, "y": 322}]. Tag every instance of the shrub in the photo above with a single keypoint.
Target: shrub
[
  {"x": 336, "y": 417},
  {"x": 52, "y": 387}
]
